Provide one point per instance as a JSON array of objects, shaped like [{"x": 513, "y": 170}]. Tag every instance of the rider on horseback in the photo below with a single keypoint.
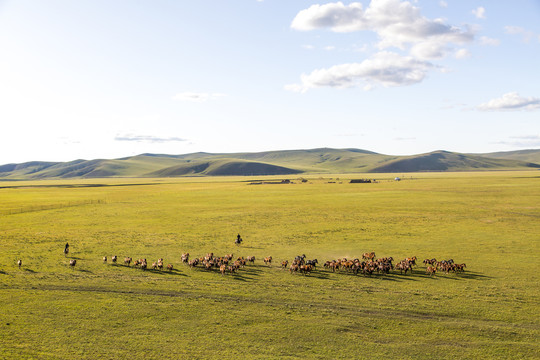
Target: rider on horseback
[{"x": 238, "y": 240}]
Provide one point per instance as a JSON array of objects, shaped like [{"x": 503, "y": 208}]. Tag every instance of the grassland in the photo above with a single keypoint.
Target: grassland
[{"x": 489, "y": 220}]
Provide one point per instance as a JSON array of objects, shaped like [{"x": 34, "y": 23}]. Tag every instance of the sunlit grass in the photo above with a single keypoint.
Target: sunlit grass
[{"x": 490, "y": 221}]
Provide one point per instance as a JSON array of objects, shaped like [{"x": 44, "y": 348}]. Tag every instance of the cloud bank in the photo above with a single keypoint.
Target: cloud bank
[
  {"x": 526, "y": 35},
  {"x": 147, "y": 138},
  {"x": 511, "y": 102},
  {"x": 384, "y": 68},
  {"x": 526, "y": 141},
  {"x": 397, "y": 24}
]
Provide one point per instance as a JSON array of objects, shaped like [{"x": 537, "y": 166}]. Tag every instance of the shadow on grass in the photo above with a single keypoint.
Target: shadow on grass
[
  {"x": 252, "y": 269},
  {"x": 247, "y": 273},
  {"x": 378, "y": 276},
  {"x": 317, "y": 275},
  {"x": 414, "y": 276},
  {"x": 84, "y": 271},
  {"x": 173, "y": 272},
  {"x": 468, "y": 275},
  {"x": 392, "y": 277},
  {"x": 241, "y": 277},
  {"x": 3, "y": 272},
  {"x": 255, "y": 273},
  {"x": 441, "y": 275},
  {"x": 29, "y": 270}
]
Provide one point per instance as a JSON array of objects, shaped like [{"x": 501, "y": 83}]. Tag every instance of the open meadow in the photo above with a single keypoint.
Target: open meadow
[{"x": 490, "y": 221}]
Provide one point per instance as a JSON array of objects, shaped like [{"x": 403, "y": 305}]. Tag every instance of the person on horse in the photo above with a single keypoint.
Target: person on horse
[{"x": 238, "y": 240}]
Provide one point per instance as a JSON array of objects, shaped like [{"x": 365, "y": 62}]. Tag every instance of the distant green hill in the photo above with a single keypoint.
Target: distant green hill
[
  {"x": 286, "y": 162},
  {"x": 448, "y": 161},
  {"x": 532, "y": 155},
  {"x": 322, "y": 160},
  {"x": 136, "y": 166},
  {"x": 223, "y": 168}
]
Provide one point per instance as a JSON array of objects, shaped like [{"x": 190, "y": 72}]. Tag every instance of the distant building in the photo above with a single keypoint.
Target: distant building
[{"x": 360, "y": 181}]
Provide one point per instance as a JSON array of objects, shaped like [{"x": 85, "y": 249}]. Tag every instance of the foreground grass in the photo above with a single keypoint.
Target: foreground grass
[{"x": 489, "y": 221}]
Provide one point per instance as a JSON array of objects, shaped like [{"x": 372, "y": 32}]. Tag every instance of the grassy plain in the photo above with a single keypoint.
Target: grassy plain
[{"x": 490, "y": 221}]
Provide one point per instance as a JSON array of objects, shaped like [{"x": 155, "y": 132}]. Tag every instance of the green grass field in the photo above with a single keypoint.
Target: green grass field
[{"x": 488, "y": 220}]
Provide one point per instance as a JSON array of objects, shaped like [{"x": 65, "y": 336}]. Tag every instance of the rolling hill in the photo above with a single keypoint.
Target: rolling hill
[
  {"x": 284, "y": 162},
  {"x": 448, "y": 161},
  {"x": 224, "y": 168},
  {"x": 521, "y": 155}
]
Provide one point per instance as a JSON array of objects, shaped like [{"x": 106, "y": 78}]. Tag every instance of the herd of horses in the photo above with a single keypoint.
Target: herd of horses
[
  {"x": 367, "y": 265},
  {"x": 141, "y": 263}
]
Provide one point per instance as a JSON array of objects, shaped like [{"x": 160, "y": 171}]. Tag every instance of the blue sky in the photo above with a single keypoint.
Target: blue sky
[{"x": 109, "y": 78}]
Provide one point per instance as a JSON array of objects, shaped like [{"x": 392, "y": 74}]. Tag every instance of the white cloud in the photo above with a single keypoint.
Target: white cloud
[
  {"x": 484, "y": 40},
  {"x": 147, "y": 138},
  {"x": 479, "y": 12},
  {"x": 462, "y": 54},
  {"x": 384, "y": 68},
  {"x": 513, "y": 29},
  {"x": 443, "y": 4},
  {"x": 511, "y": 102},
  {"x": 196, "y": 97},
  {"x": 518, "y": 30},
  {"x": 429, "y": 50},
  {"x": 337, "y": 16},
  {"x": 397, "y": 23},
  {"x": 525, "y": 141}
]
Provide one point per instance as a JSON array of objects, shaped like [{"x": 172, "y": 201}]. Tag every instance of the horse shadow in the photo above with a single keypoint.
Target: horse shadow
[
  {"x": 252, "y": 271},
  {"x": 418, "y": 274},
  {"x": 318, "y": 275},
  {"x": 241, "y": 277},
  {"x": 467, "y": 275},
  {"x": 84, "y": 271},
  {"x": 173, "y": 272}
]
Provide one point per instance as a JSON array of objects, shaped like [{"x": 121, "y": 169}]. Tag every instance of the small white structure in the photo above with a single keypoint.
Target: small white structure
[{"x": 397, "y": 179}]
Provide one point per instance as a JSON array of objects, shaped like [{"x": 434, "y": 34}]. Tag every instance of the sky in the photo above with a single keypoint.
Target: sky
[{"x": 92, "y": 79}]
